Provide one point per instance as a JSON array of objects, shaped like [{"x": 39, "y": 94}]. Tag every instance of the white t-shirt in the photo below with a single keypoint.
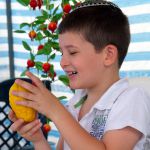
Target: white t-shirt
[{"x": 119, "y": 107}]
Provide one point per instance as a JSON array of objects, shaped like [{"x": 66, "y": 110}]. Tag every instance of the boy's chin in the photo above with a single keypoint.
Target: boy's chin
[{"x": 75, "y": 87}]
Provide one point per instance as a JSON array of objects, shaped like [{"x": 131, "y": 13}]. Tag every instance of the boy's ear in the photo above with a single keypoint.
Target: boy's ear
[{"x": 111, "y": 55}]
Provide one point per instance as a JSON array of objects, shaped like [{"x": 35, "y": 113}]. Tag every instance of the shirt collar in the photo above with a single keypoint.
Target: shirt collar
[{"x": 111, "y": 95}]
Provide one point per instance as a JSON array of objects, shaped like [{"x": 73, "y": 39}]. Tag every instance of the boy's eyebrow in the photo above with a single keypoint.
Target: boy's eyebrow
[{"x": 69, "y": 46}]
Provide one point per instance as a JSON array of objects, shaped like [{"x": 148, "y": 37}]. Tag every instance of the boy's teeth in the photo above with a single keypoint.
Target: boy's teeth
[{"x": 74, "y": 72}]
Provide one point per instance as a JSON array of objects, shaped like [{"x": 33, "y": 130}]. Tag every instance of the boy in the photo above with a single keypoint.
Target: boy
[{"x": 105, "y": 112}]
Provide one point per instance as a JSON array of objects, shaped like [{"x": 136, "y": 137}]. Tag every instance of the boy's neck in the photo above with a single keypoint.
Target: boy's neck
[{"x": 94, "y": 94}]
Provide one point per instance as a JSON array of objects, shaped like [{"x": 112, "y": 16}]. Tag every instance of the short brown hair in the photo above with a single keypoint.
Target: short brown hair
[{"x": 100, "y": 25}]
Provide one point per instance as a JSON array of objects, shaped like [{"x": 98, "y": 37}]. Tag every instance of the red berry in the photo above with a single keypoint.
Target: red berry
[
  {"x": 46, "y": 128},
  {"x": 67, "y": 8},
  {"x": 40, "y": 47},
  {"x": 46, "y": 67},
  {"x": 30, "y": 63},
  {"x": 32, "y": 34},
  {"x": 39, "y": 3},
  {"x": 33, "y": 4},
  {"x": 52, "y": 26}
]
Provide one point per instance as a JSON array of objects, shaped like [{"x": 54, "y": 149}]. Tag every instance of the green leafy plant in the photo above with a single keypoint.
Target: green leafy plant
[{"x": 44, "y": 34}]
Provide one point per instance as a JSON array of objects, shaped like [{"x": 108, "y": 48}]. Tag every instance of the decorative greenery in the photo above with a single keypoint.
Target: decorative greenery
[
  {"x": 43, "y": 32},
  {"x": 44, "y": 36}
]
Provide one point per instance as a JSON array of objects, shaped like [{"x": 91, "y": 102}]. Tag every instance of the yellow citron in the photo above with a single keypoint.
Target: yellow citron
[{"x": 22, "y": 112}]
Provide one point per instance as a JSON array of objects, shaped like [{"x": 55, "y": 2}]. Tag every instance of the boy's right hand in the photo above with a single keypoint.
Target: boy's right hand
[{"x": 30, "y": 131}]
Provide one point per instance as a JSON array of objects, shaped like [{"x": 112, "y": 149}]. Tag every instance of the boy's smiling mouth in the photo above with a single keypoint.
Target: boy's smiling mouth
[{"x": 70, "y": 73}]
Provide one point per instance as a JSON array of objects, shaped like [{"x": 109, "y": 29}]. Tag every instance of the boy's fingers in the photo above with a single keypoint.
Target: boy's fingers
[
  {"x": 35, "y": 79},
  {"x": 31, "y": 127},
  {"x": 16, "y": 126},
  {"x": 12, "y": 116},
  {"x": 36, "y": 128},
  {"x": 30, "y": 87}
]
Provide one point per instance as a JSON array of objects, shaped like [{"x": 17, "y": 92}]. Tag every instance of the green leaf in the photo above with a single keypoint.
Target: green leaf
[
  {"x": 55, "y": 10},
  {"x": 44, "y": 2},
  {"x": 24, "y": 24},
  {"x": 52, "y": 56},
  {"x": 43, "y": 27},
  {"x": 24, "y": 2},
  {"x": 39, "y": 36},
  {"x": 38, "y": 22},
  {"x": 48, "y": 44},
  {"x": 64, "y": 79},
  {"x": 74, "y": 1},
  {"x": 41, "y": 18},
  {"x": 32, "y": 56},
  {"x": 41, "y": 51},
  {"x": 57, "y": 17},
  {"x": 44, "y": 75},
  {"x": 19, "y": 31},
  {"x": 55, "y": 36},
  {"x": 44, "y": 51},
  {"x": 38, "y": 65},
  {"x": 52, "y": 69},
  {"x": 51, "y": 6},
  {"x": 62, "y": 97},
  {"x": 48, "y": 120},
  {"x": 55, "y": 45},
  {"x": 65, "y": 1},
  {"x": 80, "y": 102},
  {"x": 23, "y": 73},
  {"x": 45, "y": 14},
  {"x": 26, "y": 46},
  {"x": 47, "y": 33}
]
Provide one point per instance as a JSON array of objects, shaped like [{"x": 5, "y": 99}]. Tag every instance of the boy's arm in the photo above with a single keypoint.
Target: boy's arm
[
  {"x": 124, "y": 139},
  {"x": 78, "y": 138},
  {"x": 43, "y": 144}
]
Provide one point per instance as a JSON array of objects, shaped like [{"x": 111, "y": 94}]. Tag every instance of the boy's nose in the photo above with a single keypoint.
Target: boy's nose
[{"x": 64, "y": 62}]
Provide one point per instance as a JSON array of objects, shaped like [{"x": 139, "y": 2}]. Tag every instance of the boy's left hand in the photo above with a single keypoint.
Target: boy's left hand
[{"x": 30, "y": 131}]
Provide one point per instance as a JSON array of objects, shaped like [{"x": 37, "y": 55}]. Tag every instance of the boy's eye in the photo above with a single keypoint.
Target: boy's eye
[{"x": 72, "y": 53}]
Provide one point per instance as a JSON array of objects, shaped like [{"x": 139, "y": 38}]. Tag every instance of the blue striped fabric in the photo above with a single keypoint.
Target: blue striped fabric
[
  {"x": 137, "y": 62},
  {"x": 4, "y": 59}
]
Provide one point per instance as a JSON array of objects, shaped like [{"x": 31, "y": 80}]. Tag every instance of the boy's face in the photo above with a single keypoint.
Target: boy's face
[{"x": 80, "y": 61}]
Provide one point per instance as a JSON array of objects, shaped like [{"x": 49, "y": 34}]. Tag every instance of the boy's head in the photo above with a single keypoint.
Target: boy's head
[{"x": 101, "y": 23}]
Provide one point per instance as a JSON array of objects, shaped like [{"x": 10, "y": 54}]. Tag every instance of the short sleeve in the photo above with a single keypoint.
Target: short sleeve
[{"x": 131, "y": 109}]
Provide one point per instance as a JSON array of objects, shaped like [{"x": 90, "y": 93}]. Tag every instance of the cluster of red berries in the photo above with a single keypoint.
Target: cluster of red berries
[
  {"x": 36, "y": 3},
  {"x": 45, "y": 66},
  {"x": 53, "y": 24}
]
